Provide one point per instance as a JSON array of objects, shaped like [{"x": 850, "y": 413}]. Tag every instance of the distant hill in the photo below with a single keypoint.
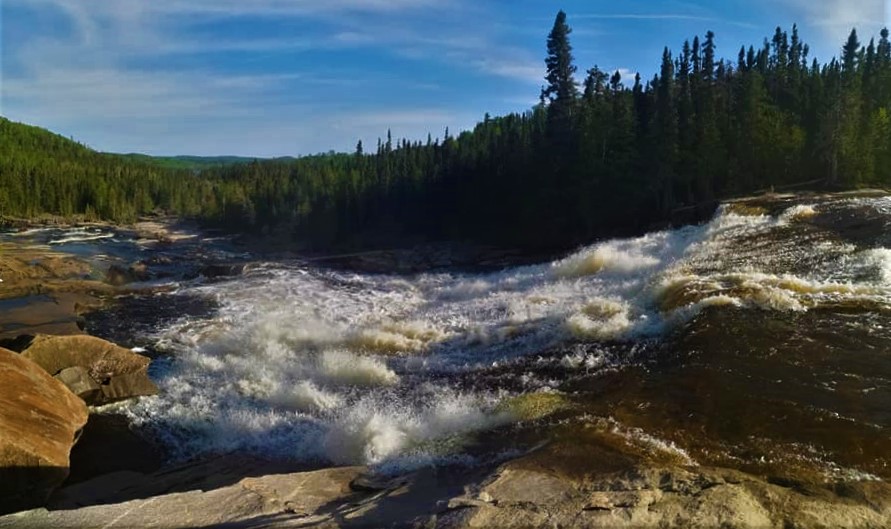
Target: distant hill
[
  {"x": 43, "y": 173},
  {"x": 196, "y": 162}
]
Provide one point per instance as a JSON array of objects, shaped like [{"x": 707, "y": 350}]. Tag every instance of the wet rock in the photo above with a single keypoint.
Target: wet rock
[
  {"x": 120, "y": 373},
  {"x": 216, "y": 271},
  {"x": 213, "y": 271},
  {"x": 77, "y": 379},
  {"x": 39, "y": 422},
  {"x": 118, "y": 275}
]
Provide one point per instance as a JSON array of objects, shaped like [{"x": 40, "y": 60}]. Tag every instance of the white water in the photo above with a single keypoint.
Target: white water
[
  {"x": 79, "y": 235},
  {"x": 351, "y": 368}
]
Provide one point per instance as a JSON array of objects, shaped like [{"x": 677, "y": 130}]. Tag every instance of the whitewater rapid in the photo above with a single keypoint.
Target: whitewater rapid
[{"x": 349, "y": 368}]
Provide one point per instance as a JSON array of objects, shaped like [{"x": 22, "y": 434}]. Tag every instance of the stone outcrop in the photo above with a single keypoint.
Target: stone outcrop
[
  {"x": 39, "y": 423},
  {"x": 666, "y": 497},
  {"x": 118, "y": 372},
  {"x": 516, "y": 494},
  {"x": 272, "y": 500}
]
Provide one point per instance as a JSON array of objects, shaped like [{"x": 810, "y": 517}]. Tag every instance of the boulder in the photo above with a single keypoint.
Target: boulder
[
  {"x": 118, "y": 275},
  {"x": 120, "y": 373},
  {"x": 39, "y": 422}
]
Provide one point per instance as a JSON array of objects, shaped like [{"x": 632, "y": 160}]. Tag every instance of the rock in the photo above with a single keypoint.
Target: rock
[
  {"x": 118, "y": 275},
  {"x": 39, "y": 423},
  {"x": 665, "y": 497},
  {"x": 303, "y": 498},
  {"x": 17, "y": 344},
  {"x": 120, "y": 373},
  {"x": 213, "y": 271},
  {"x": 77, "y": 379},
  {"x": 109, "y": 443},
  {"x": 515, "y": 494}
]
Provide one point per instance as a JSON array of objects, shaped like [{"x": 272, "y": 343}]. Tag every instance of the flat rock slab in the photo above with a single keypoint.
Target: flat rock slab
[
  {"x": 507, "y": 496},
  {"x": 119, "y": 372},
  {"x": 39, "y": 420},
  {"x": 664, "y": 497},
  {"x": 278, "y": 500}
]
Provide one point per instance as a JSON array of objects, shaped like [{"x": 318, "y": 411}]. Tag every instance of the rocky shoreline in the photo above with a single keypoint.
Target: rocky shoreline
[{"x": 524, "y": 492}]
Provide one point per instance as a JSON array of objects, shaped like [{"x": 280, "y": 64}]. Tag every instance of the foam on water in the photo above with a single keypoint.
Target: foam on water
[
  {"x": 80, "y": 235},
  {"x": 801, "y": 211},
  {"x": 351, "y": 368}
]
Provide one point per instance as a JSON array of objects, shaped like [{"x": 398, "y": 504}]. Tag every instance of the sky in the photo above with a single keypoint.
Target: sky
[{"x": 289, "y": 77}]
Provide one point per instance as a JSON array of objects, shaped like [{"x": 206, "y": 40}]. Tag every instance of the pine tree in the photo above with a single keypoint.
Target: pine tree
[{"x": 562, "y": 89}]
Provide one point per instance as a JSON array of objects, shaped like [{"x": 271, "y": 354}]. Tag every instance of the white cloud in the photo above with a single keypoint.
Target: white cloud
[
  {"x": 627, "y": 76},
  {"x": 836, "y": 18},
  {"x": 527, "y": 71},
  {"x": 663, "y": 17},
  {"x": 112, "y": 83}
]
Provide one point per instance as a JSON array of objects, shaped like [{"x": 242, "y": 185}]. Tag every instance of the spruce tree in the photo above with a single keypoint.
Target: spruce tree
[{"x": 562, "y": 88}]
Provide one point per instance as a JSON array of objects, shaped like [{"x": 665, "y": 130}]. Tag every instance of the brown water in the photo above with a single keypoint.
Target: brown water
[{"x": 796, "y": 383}]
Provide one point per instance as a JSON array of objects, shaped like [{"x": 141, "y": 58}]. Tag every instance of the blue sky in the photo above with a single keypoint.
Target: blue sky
[{"x": 287, "y": 77}]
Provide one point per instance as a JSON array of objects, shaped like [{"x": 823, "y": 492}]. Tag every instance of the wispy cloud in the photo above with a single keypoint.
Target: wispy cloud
[
  {"x": 124, "y": 77},
  {"x": 663, "y": 17},
  {"x": 836, "y": 18}
]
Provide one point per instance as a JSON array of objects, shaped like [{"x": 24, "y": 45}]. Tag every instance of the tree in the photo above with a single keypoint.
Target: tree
[
  {"x": 561, "y": 92},
  {"x": 666, "y": 132},
  {"x": 595, "y": 83},
  {"x": 562, "y": 89},
  {"x": 849, "y": 54}
]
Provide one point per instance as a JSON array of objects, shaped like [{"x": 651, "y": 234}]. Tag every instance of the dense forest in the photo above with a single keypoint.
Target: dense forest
[{"x": 593, "y": 159}]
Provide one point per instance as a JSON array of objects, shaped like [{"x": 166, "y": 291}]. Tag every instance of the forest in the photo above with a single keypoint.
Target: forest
[{"x": 594, "y": 159}]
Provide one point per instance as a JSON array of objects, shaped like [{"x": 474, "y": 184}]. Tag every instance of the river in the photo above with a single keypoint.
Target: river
[{"x": 759, "y": 340}]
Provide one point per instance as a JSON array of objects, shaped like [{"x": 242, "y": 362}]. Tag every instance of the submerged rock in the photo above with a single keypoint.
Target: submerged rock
[
  {"x": 118, "y": 275},
  {"x": 213, "y": 271},
  {"x": 39, "y": 422},
  {"x": 119, "y": 373}
]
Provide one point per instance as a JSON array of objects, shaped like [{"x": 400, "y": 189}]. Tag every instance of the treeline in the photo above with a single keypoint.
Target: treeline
[
  {"x": 591, "y": 160},
  {"x": 601, "y": 158}
]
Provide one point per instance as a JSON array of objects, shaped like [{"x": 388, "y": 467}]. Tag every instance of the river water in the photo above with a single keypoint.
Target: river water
[{"x": 760, "y": 340}]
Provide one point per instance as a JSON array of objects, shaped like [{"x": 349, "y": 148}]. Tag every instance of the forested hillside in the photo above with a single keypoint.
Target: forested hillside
[
  {"x": 591, "y": 160},
  {"x": 44, "y": 173}
]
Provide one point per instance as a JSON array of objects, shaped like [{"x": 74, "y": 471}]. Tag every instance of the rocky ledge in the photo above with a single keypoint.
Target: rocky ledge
[{"x": 520, "y": 493}]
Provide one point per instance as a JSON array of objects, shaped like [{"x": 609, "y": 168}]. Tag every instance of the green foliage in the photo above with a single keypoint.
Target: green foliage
[{"x": 611, "y": 161}]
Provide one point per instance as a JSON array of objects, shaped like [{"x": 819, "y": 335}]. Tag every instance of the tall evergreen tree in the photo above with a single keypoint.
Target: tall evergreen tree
[{"x": 562, "y": 88}]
